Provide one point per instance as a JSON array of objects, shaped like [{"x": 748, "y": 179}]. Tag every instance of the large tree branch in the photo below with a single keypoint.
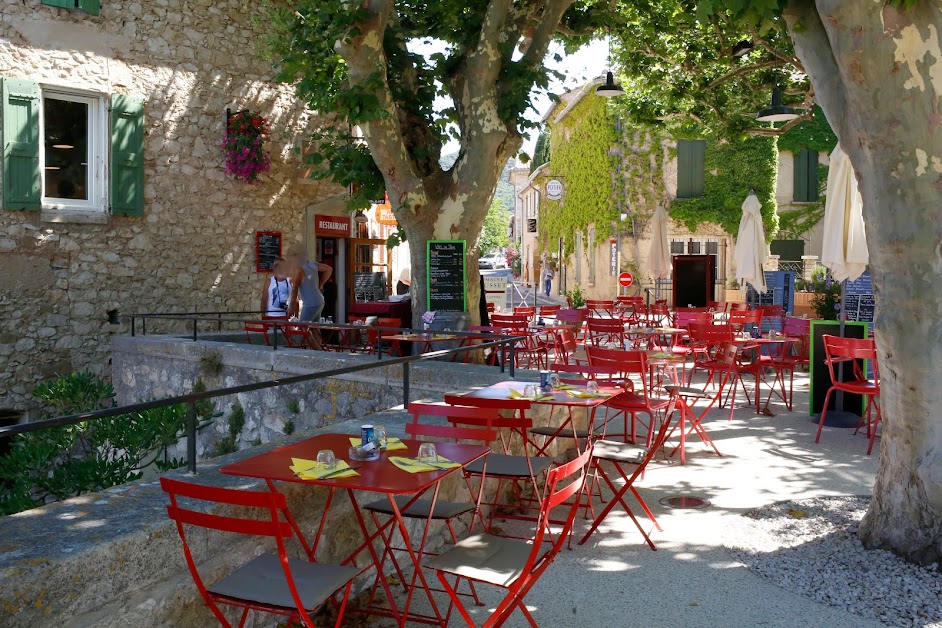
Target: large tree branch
[
  {"x": 547, "y": 27},
  {"x": 745, "y": 70}
]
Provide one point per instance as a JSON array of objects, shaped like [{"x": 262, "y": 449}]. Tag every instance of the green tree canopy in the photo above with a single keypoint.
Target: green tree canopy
[{"x": 494, "y": 233}]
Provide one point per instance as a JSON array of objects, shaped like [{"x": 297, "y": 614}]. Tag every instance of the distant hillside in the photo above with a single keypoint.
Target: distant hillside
[{"x": 505, "y": 191}]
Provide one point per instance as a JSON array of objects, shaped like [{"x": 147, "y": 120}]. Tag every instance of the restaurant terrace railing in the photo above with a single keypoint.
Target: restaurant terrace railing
[{"x": 491, "y": 340}]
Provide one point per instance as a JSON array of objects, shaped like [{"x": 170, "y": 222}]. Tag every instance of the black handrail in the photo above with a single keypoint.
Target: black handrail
[{"x": 192, "y": 398}]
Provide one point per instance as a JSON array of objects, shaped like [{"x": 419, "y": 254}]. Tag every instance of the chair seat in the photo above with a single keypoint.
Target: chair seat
[
  {"x": 549, "y": 430},
  {"x": 509, "y": 466},
  {"x": 618, "y": 452},
  {"x": 487, "y": 558},
  {"x": 686, "y": 391},
  {"x": 420, "y": 509},
  {"x": 262, "y": 580},
  {"x": 859, "y": 387},
  {"x": 635, "y": 401}
]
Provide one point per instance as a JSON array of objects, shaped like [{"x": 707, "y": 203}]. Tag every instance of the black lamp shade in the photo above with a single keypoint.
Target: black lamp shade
[
  {"x": 610, "y": 89},
  {"x": 360, "y": 218},
  {"x": 742, "y": 49},
  {"x": 777, "y": 112}
]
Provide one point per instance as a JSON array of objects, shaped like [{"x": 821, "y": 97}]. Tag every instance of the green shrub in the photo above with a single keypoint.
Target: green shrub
[
  {"x": 63, "y": 462},
  {"x": 576, "y": 296}
]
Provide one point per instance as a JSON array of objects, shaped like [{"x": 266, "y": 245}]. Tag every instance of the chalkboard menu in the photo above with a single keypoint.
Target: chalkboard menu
[
  {"x": 267, "y": 250},
  {"x": 859, "y": 302},
  {"x": 369, "y": 287},
  {"x": 781, "y": 291},
  {"x": 446, "y": 276}
]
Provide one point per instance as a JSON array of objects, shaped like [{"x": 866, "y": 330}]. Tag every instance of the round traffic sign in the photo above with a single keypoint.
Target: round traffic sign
[{"x": 625, "y": 279}]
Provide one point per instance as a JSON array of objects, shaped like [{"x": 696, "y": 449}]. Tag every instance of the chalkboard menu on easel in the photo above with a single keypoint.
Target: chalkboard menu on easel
[
  {"x": 446, "y": 276},
  {"x": 859, "y": 301},
  {"x": 781, "y": 291},
  {"x": 369, "y": 287},
  {"x": 267, "y": 250}
]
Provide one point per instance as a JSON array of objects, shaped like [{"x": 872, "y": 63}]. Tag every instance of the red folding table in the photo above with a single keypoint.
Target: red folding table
[{"x": 379, "y": 476}]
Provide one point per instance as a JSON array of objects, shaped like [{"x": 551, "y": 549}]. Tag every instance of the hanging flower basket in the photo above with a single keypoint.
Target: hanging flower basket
[{"x": 246, "y": 157}]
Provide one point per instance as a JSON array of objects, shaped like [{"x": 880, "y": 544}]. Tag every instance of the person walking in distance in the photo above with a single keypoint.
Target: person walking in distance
[
  {"x": 307, "y": 284},
  {"x": 548, "y": 275}
]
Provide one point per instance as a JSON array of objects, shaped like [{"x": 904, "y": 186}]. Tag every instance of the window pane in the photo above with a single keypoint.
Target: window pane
[
  {"x": 712, "y": 248},
  {"x": 677, "y": 247},
  {"x": 693, "y": 248},
  {"x": 66, "y": 148}
]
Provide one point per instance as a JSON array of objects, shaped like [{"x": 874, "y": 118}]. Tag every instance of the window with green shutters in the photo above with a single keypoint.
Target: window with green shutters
[
  {"x": 805, "y": 176},
  {"x": 56, "y": 150},
  {"x": 690, "y": 168},
  {"x": 89, "y": 6}
]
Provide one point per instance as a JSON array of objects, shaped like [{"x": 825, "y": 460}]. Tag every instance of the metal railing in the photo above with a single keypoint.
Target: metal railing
[{"x": 191, "y": 399}]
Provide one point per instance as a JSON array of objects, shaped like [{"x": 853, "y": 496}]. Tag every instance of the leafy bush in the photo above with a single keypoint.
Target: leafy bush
[
  {"x": 576, "y": 296},
  {"x": 826, "y": 301},
  {"x": 63, "y": 462},
  {"x": 228, "y": 443}
]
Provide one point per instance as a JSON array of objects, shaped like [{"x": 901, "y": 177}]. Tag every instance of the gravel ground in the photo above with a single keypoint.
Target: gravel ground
[{"x": 810, "y": 547}]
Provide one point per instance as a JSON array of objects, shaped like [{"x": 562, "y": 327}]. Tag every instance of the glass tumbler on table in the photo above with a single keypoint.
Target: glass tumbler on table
[
  {"x": 530, "y": 391},
  {"x": 380, "y": 435},
  {"x": 592, "y": 386},
  {"x": 427, "y": 453},
  {"x": 326, "y": 457}
]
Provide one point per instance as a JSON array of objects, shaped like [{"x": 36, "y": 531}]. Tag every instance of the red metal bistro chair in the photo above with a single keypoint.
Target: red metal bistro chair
[
  {"x": 276, "y": 584},
  {"x": 786, "y": 360},
  {"x": 600, "y": 307},
  {"x": 255, "y": 328},
  {"x": 517, "y": 564},
  {"x": 851, "y": 351},
  {"x": 621, "y": 455},
  {"x": 600, "y": 331},
  {"x": 549, "y": 310},
  {"x": 565, "y": 348}
]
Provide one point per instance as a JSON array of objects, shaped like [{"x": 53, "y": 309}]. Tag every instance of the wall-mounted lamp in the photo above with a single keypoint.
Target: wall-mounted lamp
[
  {"x": 360, "y": 218},
  {"x": 742, "y": 49}
]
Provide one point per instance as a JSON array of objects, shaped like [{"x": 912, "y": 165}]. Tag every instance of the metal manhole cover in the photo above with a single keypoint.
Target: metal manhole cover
[{"x": 685, "y": 501}]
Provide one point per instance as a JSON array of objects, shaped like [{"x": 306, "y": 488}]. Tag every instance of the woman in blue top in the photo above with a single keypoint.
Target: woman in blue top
[{"x": 307, "y": 283}]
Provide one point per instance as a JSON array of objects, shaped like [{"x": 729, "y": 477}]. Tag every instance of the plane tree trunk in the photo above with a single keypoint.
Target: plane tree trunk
[{"x": 877, "y": 74}]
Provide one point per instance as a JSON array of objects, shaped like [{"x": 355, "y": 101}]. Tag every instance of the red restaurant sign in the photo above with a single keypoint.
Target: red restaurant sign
[{"x": 332, "y": 225}]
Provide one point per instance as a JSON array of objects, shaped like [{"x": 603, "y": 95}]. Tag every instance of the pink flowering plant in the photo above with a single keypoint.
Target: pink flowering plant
[{"x": 246, "y": 157}]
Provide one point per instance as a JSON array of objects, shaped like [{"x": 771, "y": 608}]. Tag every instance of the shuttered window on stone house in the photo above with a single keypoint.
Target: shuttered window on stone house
[
  {"x": 89, "y": 6},
  {"x": 805, "y": 176},
  {"x": 34, "y": 154},
  {"x": 690, "y": 168}
]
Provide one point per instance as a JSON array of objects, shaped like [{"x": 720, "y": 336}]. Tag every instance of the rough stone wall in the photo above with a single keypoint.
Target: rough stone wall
[{"x": 194, "y": 246}]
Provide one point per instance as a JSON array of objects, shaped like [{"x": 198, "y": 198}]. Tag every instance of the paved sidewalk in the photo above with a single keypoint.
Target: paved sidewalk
[{"x": 691, "y": 580}]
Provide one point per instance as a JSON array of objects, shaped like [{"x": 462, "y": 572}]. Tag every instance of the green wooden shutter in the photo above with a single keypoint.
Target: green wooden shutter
[
  {"x": 90, "y": 6},
  {"x": 20, "y": 107},
  {"x": 127, "y": 155},
  {"x": 805, "y": 178},
  {"x": 691, "y": 156},
  {"x": 62, "y": 4}
]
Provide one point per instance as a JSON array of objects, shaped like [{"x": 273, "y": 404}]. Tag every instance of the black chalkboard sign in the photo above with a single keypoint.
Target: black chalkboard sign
[
  {"x": 859, "y": 302},
  {"x": 267, "y": 250},
  {"x": 369, "y": 287},
  {"x": 446, "y": 276}
]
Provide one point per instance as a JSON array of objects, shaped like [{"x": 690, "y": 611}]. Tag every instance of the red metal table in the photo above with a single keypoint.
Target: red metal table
[
  {"x": 561, "y": 398},
  {"x": 379, "y": 476},
  {"x": 778, "y": 344},
  {"x": 426, "y": 339}
]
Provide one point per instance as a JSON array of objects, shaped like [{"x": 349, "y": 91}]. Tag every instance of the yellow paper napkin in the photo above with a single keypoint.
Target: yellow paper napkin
[
  {"x": 313, "y": 470},
  {"x": 392, "y": 444},
  {"x": 414, "y": 466},
  {"x": 584, "y": 394},
  {"x": 564, "y": 387},
  {"x": 514, "y": 394}
]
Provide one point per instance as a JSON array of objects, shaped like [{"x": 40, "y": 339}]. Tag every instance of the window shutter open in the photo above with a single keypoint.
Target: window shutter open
[
  {"x": 127, "y": 155},
  {"x": 90, "y": 6},
  {"x": 805, "y": 187},
  {"x": 691, "y": 165},
  {"x": 20, "y": 107}
]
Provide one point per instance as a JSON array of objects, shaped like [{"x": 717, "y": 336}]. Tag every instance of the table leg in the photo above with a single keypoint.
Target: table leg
[{"x": 417, "y": 556}]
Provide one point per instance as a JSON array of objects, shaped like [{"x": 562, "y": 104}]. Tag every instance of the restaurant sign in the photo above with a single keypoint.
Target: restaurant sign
[{"x": 332, "y": 225}]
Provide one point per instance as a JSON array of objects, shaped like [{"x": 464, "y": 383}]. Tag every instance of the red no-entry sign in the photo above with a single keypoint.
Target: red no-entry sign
[{"x": 625, "y": 279}]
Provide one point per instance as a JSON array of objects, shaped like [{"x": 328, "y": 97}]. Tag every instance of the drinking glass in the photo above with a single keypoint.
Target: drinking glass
[
  {"x": 326, "y": 458},
  {"x": 380, "y": 434},
  {"x": 554, "y": 380},
  {"x": 592, "y": 386},
  {"x": 530, "y": 391},
  {"x": 427, "y": 453}
]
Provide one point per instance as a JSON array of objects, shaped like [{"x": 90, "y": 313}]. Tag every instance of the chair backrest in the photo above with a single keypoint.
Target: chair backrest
[
  {"x": 738, "y": 307},
  {"x": 798, "y": 328},
  {"x": 580, "y": 373},
  {"x": 513, "y": 322},
  {"x": 682, "y": 319},
  {"x": 745, "y": 319},
  {"x": 619, "y": 361},
  {"x": 384, "y": 325},
  {"x": 549, "y": 310},
  {"x": 509, "y": 429},
  {"x": 298, "y": 336},
  {"x": 525, "y": 310},
  {"x": 490, "y": 307},
  {"x": 564, "y": 344},
  {"x": 252, "y": 328},
  {"x": 709, "y": 337},
  {"x": 269, "y": 522},
  {"x": 600, "y": 307},
  {"x": 563, "y": 483},
  {"x": 773, "y": 314},
  {"x": 837, "y": 348},
  {"x": 466, "y": 423}
]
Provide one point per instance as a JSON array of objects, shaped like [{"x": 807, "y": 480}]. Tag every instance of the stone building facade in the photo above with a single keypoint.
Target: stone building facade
[{"x": 67, "y": 272}]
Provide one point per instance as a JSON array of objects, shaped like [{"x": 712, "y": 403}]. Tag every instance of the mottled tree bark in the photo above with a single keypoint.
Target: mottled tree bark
[{"x": 877, "y": 73}]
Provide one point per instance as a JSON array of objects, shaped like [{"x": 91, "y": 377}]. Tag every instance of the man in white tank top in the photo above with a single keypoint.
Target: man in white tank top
[{"x": 276, "y": 293}]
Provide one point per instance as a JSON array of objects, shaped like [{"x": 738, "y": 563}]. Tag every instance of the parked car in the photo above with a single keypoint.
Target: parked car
[{"x": 492, "y": 262}]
